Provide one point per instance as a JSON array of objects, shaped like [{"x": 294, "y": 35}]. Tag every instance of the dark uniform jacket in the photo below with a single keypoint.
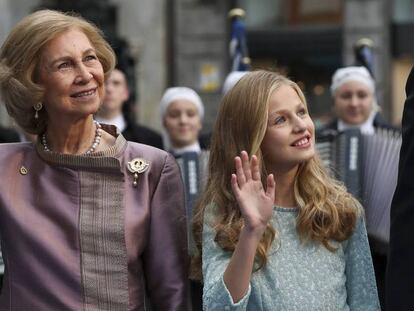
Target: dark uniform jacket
[
  {"x": 400, "y": 269},
  {"x": 8, "y": 135}
]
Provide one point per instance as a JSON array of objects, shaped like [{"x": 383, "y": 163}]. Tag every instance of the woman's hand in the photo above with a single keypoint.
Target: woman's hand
[{"x": 255, "y": 203}]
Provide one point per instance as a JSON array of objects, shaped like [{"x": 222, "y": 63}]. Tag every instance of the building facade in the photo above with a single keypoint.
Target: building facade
[{"x": 186, "y": 43}]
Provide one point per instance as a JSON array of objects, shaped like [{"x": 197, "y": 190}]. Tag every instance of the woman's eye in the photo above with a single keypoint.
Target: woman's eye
[
  {"x": 173, "y": 114},
  {"x": 345, "y": 95},
  {"x": 191, "y": 114},
  {"x": 362, "y": 95},
  {"x": 64, "y": 65},
  {"x": 90, "y": 57}
]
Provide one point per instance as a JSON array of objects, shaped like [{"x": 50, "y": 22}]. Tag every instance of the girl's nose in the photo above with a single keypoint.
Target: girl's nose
[{"x": 299, "y": 125}]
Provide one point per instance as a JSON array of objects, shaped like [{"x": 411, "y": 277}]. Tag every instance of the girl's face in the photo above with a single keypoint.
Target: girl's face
[
  {"x": 353, "y": 102},
  {"x": 182, "y": 122},
  {"x": 289, "y": 138}
]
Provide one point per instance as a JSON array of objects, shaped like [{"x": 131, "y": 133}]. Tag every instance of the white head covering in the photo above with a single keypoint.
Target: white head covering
[
  {"x": 231, "y": 79},
  {"x": 352, "y": 73},
  {"x": 174, "y": 93}
]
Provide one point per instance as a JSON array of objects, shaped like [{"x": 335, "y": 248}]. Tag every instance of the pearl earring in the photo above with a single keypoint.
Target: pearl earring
[{"x": 37, "y": 107}]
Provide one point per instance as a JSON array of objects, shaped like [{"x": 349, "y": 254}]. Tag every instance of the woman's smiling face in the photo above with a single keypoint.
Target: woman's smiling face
[{"x": 71, "y": 75}]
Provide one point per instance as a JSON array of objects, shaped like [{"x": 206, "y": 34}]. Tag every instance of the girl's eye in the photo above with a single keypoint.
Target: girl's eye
[
  {"x": 302, "y": 112},
  {"x": 280, "y": 120}
]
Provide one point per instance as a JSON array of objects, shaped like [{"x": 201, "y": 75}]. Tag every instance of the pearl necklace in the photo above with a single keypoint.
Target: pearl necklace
[{"x": 95, "y": 143}]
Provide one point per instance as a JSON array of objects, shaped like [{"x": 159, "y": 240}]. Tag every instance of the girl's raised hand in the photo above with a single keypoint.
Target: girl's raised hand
[{"x": 255, "y": 202}]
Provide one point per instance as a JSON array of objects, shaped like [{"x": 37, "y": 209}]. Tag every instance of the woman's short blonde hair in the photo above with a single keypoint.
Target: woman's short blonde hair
[{"x": 20, "y": 58}]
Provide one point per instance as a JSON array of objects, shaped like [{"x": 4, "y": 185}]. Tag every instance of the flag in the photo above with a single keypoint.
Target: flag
[
  {"x": 364, "y": 54},
  {"x": 238, "y": 43}
]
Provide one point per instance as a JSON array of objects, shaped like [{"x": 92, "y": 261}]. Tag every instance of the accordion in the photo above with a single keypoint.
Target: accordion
[
  {"x": 193, "y": 167},
  {"x": 368, "y": 166}
]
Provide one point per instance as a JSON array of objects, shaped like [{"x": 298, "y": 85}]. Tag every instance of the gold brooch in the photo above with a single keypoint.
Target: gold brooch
[{"x": 137, "y": 166}]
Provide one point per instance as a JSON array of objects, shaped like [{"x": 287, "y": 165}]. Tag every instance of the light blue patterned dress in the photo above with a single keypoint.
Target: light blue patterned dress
[{"x": 297, "y": 276}]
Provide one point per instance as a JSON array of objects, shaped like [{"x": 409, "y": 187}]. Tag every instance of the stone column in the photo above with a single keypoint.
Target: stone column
[
  {"x": 200, "y": 50},
  {"x": 142, "y": 24}
]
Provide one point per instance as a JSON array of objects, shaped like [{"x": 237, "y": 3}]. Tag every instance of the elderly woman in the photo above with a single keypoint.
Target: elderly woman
[{"x": 88, "y": 221}]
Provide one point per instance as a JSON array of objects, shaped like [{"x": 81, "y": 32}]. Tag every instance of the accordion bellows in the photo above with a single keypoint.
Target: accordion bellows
[{"x": 368, "y": 166}]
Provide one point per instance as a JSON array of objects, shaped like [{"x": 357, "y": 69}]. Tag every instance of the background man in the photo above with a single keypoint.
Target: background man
[{"x": 116, "y": 95}]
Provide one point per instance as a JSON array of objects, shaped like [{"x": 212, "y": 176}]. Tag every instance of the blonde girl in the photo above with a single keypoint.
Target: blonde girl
[{"x": 273, "y": 230}]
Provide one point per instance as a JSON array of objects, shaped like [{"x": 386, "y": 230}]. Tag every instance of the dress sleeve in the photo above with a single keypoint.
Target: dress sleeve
[
  {"x": 216, "y": 296},
  {"x": 166, "y": 256},
  {"x": 360, "y": 277}
]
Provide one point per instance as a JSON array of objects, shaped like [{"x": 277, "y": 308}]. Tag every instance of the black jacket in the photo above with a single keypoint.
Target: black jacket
[
  {"x": 140, "y": 134},
  {"x": 400, "y": 269},
  {"x": 379, "y": 122},
  {"x": 8, "y": 135}
]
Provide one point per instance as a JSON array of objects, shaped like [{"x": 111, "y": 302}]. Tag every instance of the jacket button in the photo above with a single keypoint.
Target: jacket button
[{"x": 23, "y": 170}]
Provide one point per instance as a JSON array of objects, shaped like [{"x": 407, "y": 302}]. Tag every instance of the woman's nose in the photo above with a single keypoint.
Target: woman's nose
[
  {"x": 354, "y": 101},
  {"x": 183, "y": 118},
  {"x": 83, "y": 75}
]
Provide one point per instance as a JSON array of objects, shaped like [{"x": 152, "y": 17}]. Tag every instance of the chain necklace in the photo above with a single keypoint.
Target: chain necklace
[{"x": 92, "y": 148}]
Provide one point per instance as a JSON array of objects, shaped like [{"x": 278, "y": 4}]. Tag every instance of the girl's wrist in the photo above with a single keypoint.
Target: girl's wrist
[{"x": 253, "y": 232}]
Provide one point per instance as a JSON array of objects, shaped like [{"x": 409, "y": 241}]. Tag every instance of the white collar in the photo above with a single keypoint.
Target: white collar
[
  {"x": 119, "y": 121},
  {"x": 191, "y": 148},
  {"x": 366, "y": 128}
]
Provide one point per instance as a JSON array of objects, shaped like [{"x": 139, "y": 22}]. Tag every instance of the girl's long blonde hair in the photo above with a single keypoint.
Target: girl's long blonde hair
[{"x": 326, "y": 211}]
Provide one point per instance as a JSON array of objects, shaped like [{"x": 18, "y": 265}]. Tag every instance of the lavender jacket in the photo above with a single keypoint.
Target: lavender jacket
[{"x": 77, "y": 235}]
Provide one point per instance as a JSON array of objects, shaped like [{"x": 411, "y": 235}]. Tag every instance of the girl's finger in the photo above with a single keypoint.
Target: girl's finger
[
  {"x": 234, "y": 185},
  {"x": 246, "y": 165},
  {"x": 270, "y": 187},
  {"x": 255, "y": 168},
  {"x": 241, "y": 179}
]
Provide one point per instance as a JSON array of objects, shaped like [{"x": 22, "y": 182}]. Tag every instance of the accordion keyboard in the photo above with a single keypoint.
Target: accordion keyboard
[{"x": 368, "y": 166}]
